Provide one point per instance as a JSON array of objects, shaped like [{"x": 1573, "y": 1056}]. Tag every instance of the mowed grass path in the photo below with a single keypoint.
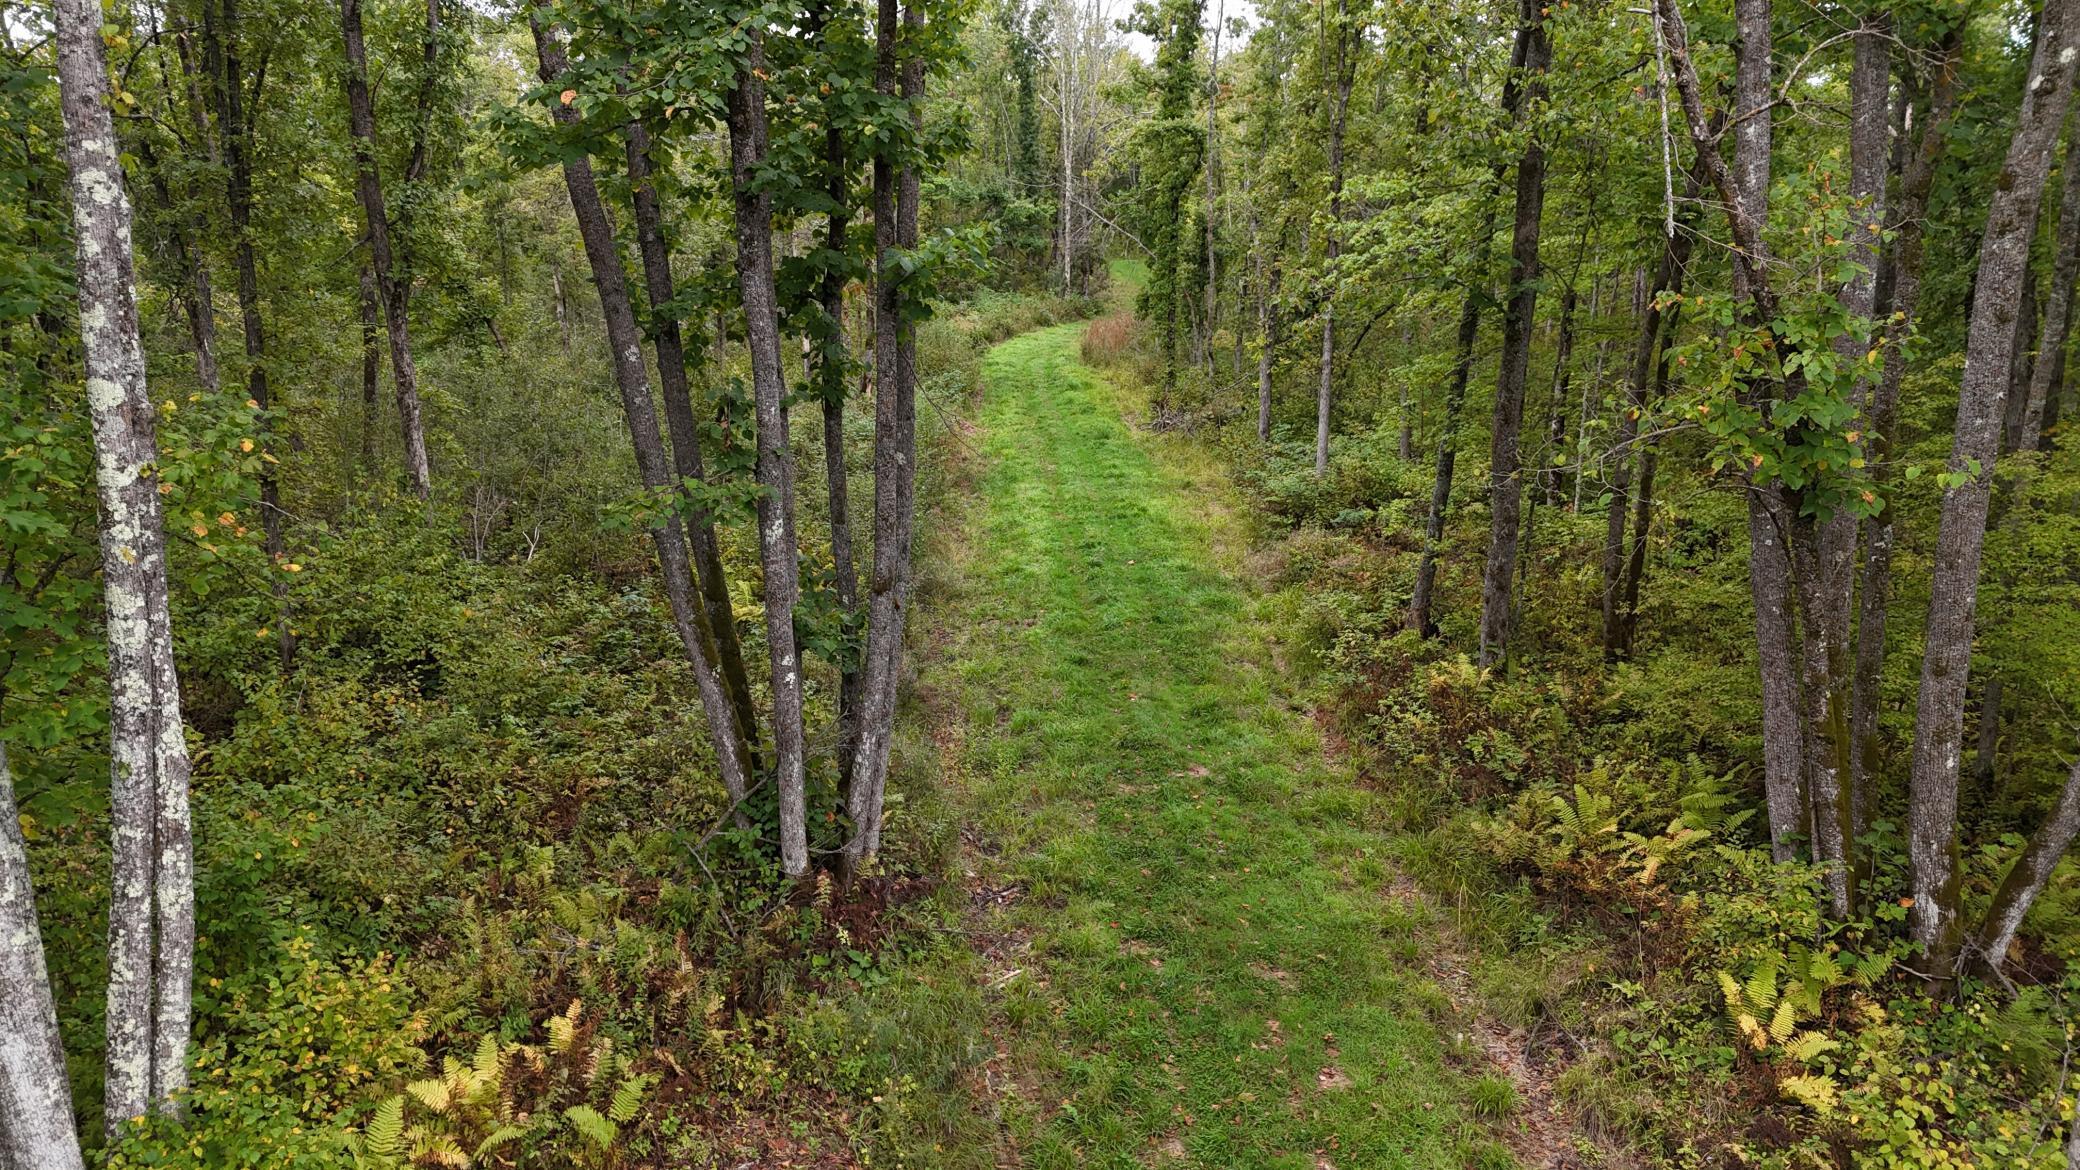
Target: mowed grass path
[{"x": 1193, "y": 957}]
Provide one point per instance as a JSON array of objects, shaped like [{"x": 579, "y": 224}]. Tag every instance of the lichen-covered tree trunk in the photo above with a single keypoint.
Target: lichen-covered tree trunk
[
  {"x": 1743, "y": 191},
  {"x": 1904, "y": 267},
  {"x": 393, "y": 284},
  {"x": 35, "y": 1099},
  {"x": 1989, "y": 361},
  {"x": 1830, "y": 600},
  {"x": 718, "y": 622},
  {"x": 1819, "y": 577},
  {"x": 152, "y": 881},
  {"x": 2031, "y": 873},
  {"x": 776, "y": 542},
  {"x": 2050, "y": 368},
  {"x": 896, "y": 192},
  {"x": 1505, "y": 462},
  {"x": 625, "y": 341}
]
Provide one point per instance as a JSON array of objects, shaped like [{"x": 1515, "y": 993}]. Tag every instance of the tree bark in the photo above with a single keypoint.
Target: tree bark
[
  {"x": 1549, "y": 476},
  {"x": 1505, "y": 464},
  {"x": 1212, "y": 169},
  {"x": 776, "y": 541},
  {"x": 625, "y": 341},
  {"x": 2031, "y": 873},
  {"x": 895, "y": 440},
  {"x": 1447, "y": 457},
  {"x": 830, "y": 373},
  {"x": 192, "y": 284},
  {"x": 1743, "y": 188},
  {"x": 717, "y": 620},
  {"x": 1339, "y": 106},
  {"x": 2019, "y": 379},
  {"x": 2049, "y": 371},
  {"x": 35, "y": 1098},
  {"x": 1830, "y": 581},
  {"x": 222, "y": 62},
  {"x": 1267, "y": 335},
  {"x": 1986, "y": 757},
  {"x": 1649, "y": 367},
  {"x": 1903, "y": 268},
  {"x": 152, "y": 881},
  {"x": 393, "y": 284},
  {"x": 1989, "y": 360},
  {"x": 371, "y": 362}
]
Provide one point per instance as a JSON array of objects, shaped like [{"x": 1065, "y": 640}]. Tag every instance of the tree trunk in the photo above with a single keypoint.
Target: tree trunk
[
  {"x": 1556, "y": 408},
  {"x": 1212, "y": 169},
  {"x": 2049, "y": 371},
  {"x": 1505, "y": 479},
  {"x": 625, "y": 342},
  {"x": 2031, "y": 873},
  {"x": 221, "y": 58},
  {"x": 1989, "y": 361},
  {"x": 1405, "y": 432},
  {"x": 1447, "y": 457},
  {"x": 895, "y": 439},
  {"x": 1267, "y": 334},
  {"x": 830, "y": 373},
  {"x": 2017, "y": 398},
  {"x": 776, "y": 541},
  {"x": 1338, "y": 108},
  {"x": 1903, "y": 269},
  {"x": 717, "y": 620},
  {"x": 190, "y": 268},
  {"x": 1669, "y": 277},
  {"x": 371, "y": 362},
  {"x": 1743, "y": 189},
  {"x": 394, "y": 285},
  {"x": 152, "y": 880},
  {"x": 1830, "y": 581},
  {"x": 1820, "y": 579},
  {"x": 1988, "y": 753},
  {"x": 35, "y": 1098},
  {"x": 1643, "y": 500}
]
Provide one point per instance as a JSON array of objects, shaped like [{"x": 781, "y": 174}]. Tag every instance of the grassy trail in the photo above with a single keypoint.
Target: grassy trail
[{"x": 1191, "y": 955}]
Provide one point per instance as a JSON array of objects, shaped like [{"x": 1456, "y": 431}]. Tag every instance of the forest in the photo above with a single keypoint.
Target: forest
[{"x": 967, "y": 583}]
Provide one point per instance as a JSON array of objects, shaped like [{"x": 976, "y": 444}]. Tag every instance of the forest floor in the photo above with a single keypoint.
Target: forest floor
[{"x": 1195, "y": 949}]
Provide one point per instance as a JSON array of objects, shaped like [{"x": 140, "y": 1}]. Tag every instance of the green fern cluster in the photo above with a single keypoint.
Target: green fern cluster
[
  {"x": 503, "y": 1104},
  {"x": 1771, "y": 1009},
  {"x": 1584, "y": 841}
]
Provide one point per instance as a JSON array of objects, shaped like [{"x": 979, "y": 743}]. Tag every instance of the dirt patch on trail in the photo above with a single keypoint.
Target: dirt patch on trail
[{"x": 1542, "y": 1134}]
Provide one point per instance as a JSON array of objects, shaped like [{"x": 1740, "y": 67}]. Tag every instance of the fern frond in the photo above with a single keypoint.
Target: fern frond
[
  {"x": 628, "y": 1099},
  {"x": 1731, "y": 988},
  {"x": 1809, "y": 1046},
  {"x": 433, "y": 1094},
  {"x": 385, "y": 1133},
  {"x": 597, "y": 1129},
  {"x": 564, "y": 1028},
  {"x": 495, "y": 1139},
  {"x": 487, "y": 1063},
  {"x": 1784, "y": 1024},
  {"x": 1815, "y": 1092},
  {"x": 1761, "y": 992}
]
